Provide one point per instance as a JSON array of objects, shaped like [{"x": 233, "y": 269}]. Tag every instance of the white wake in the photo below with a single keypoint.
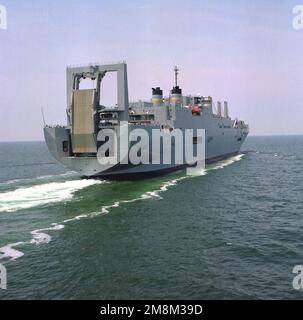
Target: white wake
[
  {"x": 39, "y": 236},
  {"x": 28, "y": 197}
]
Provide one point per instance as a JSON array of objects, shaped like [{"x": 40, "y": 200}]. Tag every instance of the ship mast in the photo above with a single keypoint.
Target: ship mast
[{"x": 176, "y": 75}]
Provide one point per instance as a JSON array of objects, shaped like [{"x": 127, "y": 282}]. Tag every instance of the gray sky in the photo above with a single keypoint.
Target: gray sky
[{"x": 246, "y": 52}]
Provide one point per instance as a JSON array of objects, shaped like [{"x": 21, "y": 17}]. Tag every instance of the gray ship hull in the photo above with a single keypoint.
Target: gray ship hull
[{"x": 216, "y": 149}]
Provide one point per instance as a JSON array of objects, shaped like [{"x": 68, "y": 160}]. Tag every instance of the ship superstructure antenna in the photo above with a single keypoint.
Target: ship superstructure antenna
[
  {"x": 43, "y": 118},
  {"x": 176, "y": 75}
]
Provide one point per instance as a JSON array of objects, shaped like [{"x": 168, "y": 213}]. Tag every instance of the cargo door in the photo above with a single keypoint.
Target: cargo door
[{"x": 83, "y": 137}]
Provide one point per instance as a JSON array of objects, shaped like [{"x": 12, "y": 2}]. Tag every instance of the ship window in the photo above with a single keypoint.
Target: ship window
[
  {"x": 65, "y": 146},
  {"x": 195, "y": 140}
]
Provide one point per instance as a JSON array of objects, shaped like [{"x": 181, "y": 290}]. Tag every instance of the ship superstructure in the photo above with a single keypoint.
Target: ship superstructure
[{"x": 76, "y": 144}]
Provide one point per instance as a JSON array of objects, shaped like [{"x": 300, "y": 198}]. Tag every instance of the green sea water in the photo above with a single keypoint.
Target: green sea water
[{"x": 235, "y": 232}]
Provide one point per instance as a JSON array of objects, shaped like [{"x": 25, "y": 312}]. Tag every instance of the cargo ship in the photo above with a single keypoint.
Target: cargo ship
[{"x": 76, "y": 144}]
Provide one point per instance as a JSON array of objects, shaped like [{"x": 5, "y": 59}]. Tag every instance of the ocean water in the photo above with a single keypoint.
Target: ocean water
[{"x": 235, "y": 232}]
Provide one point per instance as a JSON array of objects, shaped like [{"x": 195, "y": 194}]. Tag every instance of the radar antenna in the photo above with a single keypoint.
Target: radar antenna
[{"x": 176, "y": 75}]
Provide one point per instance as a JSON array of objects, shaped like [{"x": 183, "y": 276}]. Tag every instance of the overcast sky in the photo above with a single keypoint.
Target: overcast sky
[{"x": 245, "y": 52}]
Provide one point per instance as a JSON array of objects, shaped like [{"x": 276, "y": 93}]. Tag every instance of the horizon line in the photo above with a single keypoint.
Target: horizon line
[{"x": 250, "y": 136}]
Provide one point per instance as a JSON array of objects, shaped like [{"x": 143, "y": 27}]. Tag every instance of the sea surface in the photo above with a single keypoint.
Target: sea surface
[{"x": 234, "y": 232}]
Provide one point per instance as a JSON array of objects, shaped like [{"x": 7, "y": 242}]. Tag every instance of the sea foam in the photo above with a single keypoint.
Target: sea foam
[
  {"x": 37, "y": 195},
  {"x": 8, "y": 251},
  {"x": 63, "y": 191}
]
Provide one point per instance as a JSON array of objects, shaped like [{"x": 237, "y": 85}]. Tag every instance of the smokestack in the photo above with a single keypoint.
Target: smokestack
[
  {"x": 176, "y": 96},
  {"x": 157, "y": 97},
  {"x": 219, "y": 109},
  {"x": 225, "y": 109}
]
